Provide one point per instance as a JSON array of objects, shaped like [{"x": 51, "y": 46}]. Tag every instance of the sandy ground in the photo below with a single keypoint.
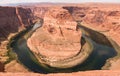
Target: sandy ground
[
  {"x": 115, "y": 65},
  {"x": 87, "y": 73},
  {"x": 14, "y": 66}
]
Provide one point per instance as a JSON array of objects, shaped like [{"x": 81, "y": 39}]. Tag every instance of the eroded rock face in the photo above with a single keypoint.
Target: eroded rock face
[
  {"x": 99, "y": 17},
  {"x": 39, "y": 12},
  {"x": 102, "y": 18},
  {"x": 12, "y": 21},
  {"x": 57, "y": 39},
  {"x": 78, "y": 13}
]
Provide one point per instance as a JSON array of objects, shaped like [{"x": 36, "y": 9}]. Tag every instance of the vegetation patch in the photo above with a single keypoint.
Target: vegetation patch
[{"x": 11, "y": 54}]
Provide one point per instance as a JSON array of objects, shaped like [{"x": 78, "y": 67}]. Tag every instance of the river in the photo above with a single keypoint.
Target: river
[{"x": 96, "y": 60}]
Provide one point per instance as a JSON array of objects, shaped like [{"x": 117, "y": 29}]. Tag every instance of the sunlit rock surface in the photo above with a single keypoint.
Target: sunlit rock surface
[
  {"x": 101, "y": 17},
  {"x": 57, "y": 39}
]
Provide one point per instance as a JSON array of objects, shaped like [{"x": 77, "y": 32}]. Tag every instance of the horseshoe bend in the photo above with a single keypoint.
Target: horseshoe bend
[{"x": 63, "y": 39}]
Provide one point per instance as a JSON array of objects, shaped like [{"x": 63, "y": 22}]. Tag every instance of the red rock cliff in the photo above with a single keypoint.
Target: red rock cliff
[
  {"x": 12, "y": 19},
  {"x": 15, "y": 18},
  {"x": 99, "y": 17}
]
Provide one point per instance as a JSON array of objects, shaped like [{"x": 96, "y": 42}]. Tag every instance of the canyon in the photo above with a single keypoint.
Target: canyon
[{"x": 58, "y": 29}]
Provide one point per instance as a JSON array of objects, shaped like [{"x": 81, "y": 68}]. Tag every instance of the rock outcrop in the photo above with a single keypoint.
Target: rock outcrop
[
  {"x": 102, "y": 18},
  {"x": 12, "y": 18},
  {"x": 57, "y": 39}
]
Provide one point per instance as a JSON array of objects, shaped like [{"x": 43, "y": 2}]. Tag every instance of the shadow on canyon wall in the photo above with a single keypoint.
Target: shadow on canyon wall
[
  {"x": 1, "y": 67},
  {"x": 12, "y": 19}
]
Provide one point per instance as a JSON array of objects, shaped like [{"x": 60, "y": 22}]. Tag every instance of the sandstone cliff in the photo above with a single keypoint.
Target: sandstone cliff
[
  {"x": 103, "y": 18},
  {"x": 12, "y": 21}
]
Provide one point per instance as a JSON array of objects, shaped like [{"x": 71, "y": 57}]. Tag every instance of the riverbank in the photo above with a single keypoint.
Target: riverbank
[
  {"x": 85, "y": 51},
  {"x": 28, "y": 59},
  {"x": 16, "y": 41},
  {"x": 111, "y": 63},
  {"x": 12, "y": 62}
]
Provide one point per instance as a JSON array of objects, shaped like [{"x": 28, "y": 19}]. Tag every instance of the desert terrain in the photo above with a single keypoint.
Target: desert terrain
[{"x": 58, "y": 37}]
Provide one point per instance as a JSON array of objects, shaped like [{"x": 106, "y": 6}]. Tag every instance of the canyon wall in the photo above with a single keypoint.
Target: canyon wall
[
  {"x": 102, "y": 18},
  {"x": 12, "y": 21}
]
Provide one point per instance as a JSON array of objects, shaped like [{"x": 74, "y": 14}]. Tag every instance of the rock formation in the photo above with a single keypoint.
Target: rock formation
[
  {"x": 57, "y": 28},
  {"x": 12, "y": 20},
  {"x": 102, "y": 18},
  {"x": 58, "y": 36}
]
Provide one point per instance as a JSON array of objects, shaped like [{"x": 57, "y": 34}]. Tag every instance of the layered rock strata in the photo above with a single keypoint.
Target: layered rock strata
[
  {"x": 57, "y": 39},
  {"x": 99, "y": 17},
  {"x": 102, "y": 18}
]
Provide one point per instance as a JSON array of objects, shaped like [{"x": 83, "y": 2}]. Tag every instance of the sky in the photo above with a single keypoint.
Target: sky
[{"x": 61, "y": 1}]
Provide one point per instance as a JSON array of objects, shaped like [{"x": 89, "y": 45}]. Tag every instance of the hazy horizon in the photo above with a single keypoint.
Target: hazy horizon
[{"x": 3, "y": 2}]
